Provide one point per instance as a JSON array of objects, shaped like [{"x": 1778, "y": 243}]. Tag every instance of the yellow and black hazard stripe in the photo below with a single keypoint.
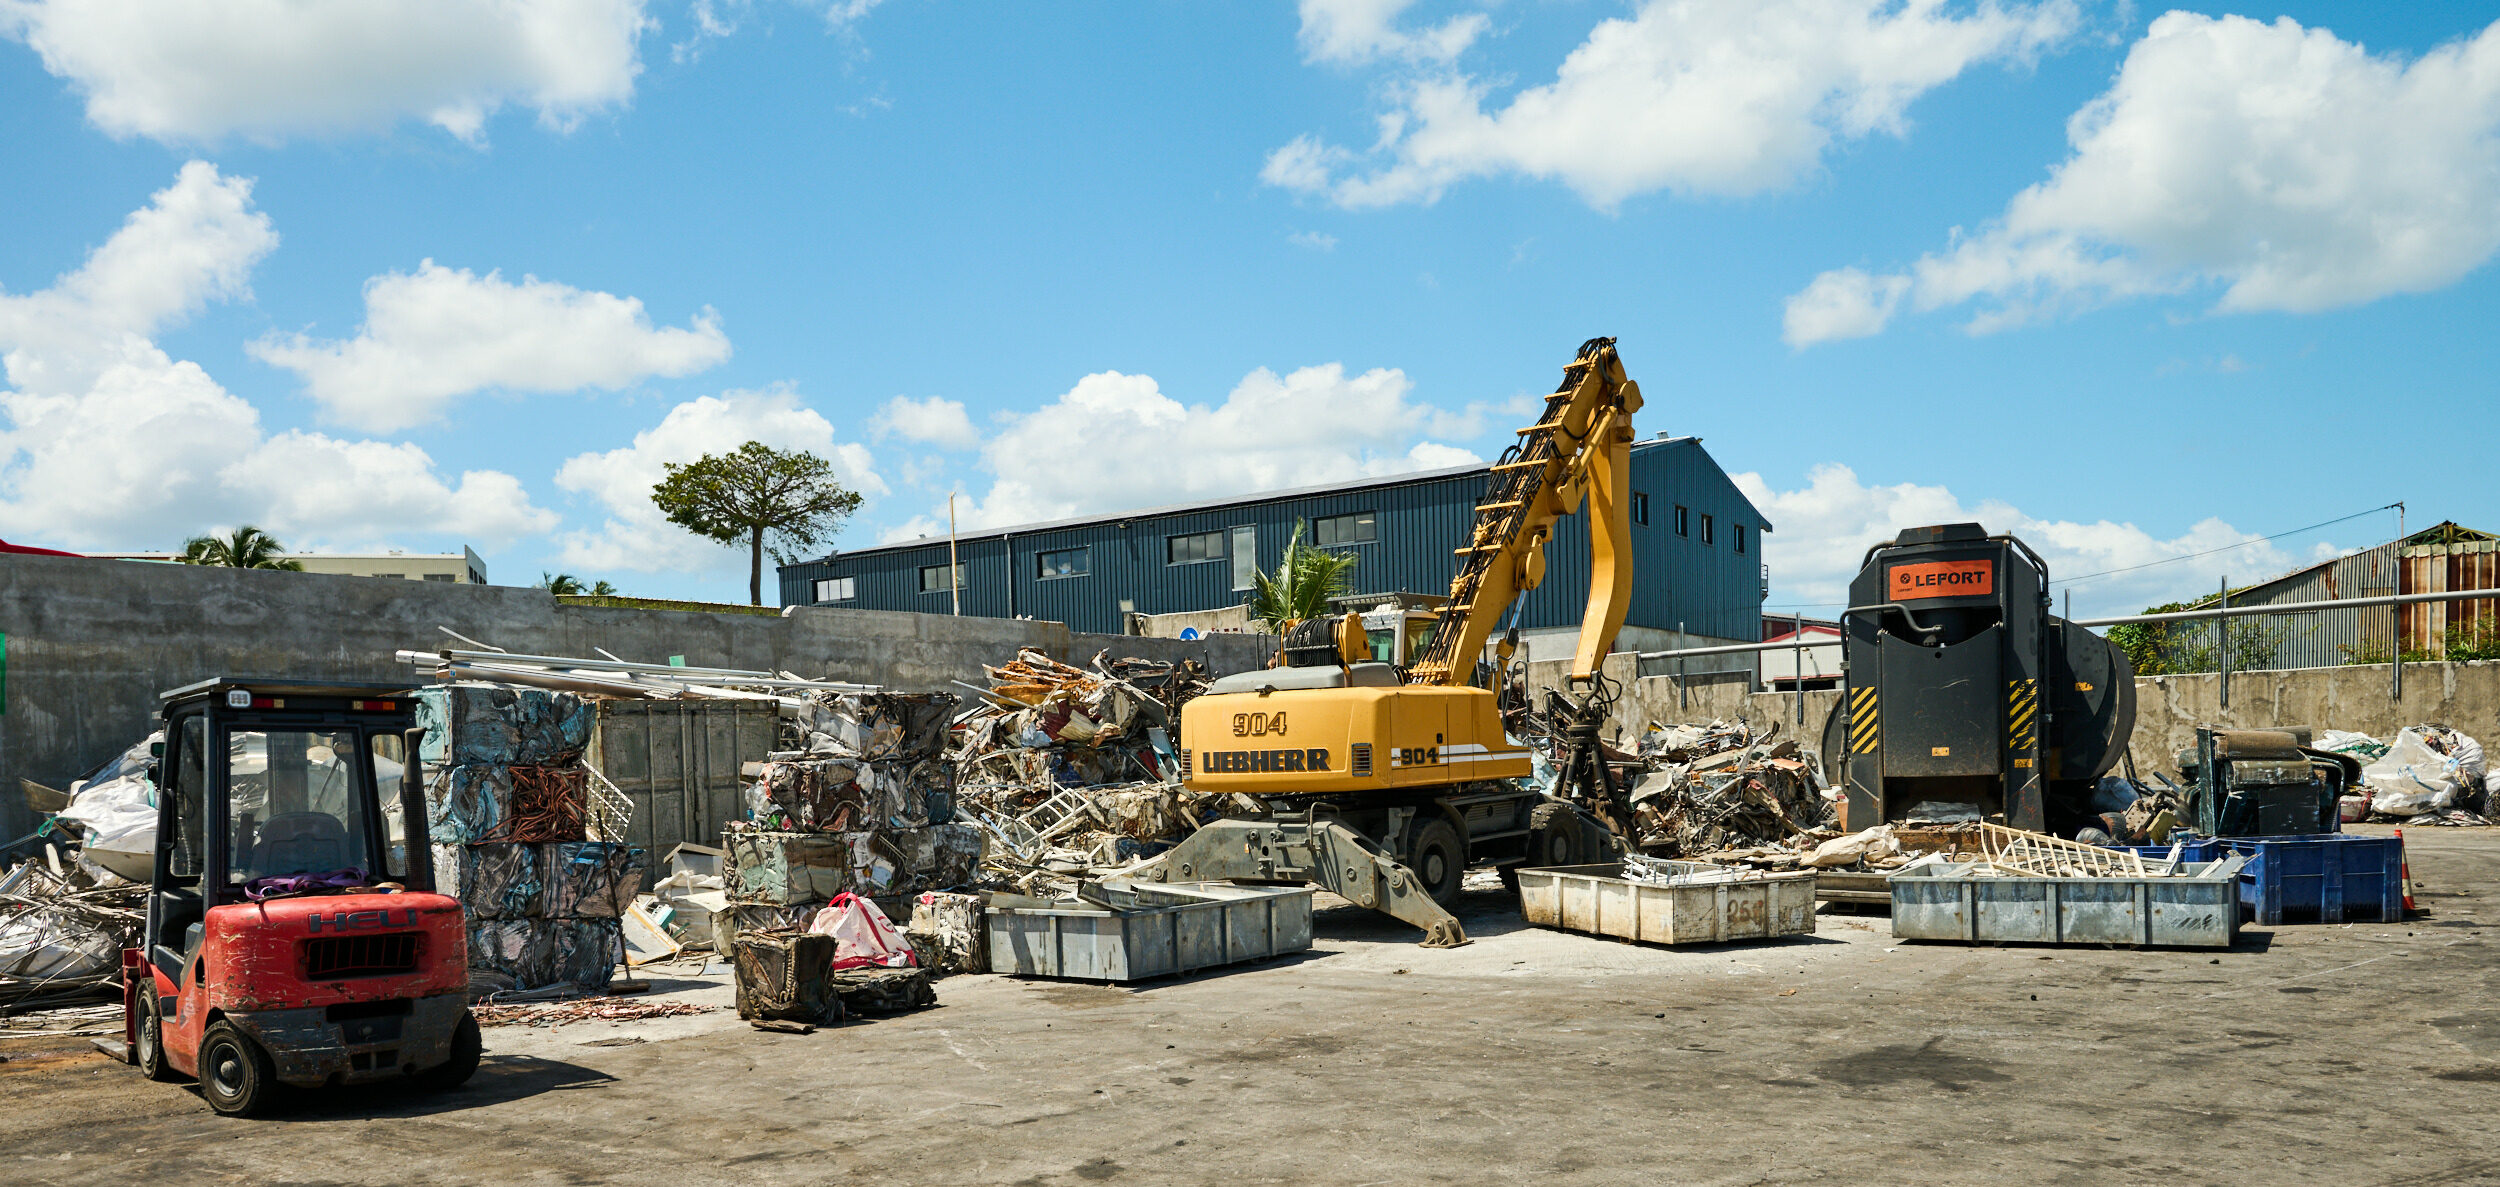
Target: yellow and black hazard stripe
[
  {"x": 1866, "y": 727},
  {"x": 2022, "y": 714}
]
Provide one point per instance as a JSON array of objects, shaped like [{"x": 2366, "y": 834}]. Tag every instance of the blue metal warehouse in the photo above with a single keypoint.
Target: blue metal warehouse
[{"x": 1697, "y": 555}]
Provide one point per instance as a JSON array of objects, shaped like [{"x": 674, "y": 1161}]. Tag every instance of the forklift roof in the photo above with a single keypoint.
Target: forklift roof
[{"x": 287, "y": 688}]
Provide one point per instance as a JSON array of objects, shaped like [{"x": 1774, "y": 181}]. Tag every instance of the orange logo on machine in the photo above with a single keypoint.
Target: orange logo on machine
[{"x": 1942, "y": 579}]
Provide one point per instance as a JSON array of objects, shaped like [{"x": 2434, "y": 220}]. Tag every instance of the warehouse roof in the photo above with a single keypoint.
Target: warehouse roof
[{"x": 1301, "y": 492}]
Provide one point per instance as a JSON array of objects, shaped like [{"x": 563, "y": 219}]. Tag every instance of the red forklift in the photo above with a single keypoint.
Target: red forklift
[{"x": 293, "y": 935}]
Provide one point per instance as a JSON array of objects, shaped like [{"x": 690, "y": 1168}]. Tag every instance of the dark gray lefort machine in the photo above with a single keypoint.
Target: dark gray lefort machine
[{"x": 1962, "y": 694}]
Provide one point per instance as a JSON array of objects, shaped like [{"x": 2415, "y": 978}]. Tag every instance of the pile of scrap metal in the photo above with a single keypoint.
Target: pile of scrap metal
[
  {"x": 1071, "y": 771},
  {"x": 1710, "y": 789},
  {"x": 63, "y": 925},
  {"x": 862, "y": 801},
  {"x": 2430, "y": 774},
  {"x": 67, "y": 913}
]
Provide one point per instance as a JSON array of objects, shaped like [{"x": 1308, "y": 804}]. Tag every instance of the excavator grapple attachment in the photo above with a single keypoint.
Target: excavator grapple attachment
[{"x": 1322, "y": 852}]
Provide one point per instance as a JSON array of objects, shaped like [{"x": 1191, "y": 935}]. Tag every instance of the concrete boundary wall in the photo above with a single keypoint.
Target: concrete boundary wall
[
  {"x": 2465, "y": 696},
  {"x": 90, "y": 643}
]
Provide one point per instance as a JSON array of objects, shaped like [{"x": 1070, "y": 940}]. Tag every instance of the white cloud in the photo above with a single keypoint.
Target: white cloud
[
  {"x": 1728, "y": 97},
  {"x": 1116, "y": 441},
  {"x": 934, "y": 421},
  {"x": 636, "y": 536},
  {"x": 112, "y": 443},
  {"x": 1315, "y": 240},
  {"x": 1823, "y": 530},
  {"x": 438, "y": 334},
  {"x": 1357, "y": 31},
  {"x": 176, "y": 70},
  {"x": 2295, "y": 171},
  {"x": 1845, "y": 303}
]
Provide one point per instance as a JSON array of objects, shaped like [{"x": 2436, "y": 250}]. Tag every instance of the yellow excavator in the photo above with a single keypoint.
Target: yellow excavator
[{"x": 1385, "y": 783}]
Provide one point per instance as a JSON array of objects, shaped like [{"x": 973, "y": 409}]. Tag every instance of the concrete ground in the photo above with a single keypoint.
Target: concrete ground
[{"x": 2349, "y": 1054}]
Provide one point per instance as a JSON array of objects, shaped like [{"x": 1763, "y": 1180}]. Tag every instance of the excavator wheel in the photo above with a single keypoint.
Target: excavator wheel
[
  {"x": 150, "y": 1052},
  {"x": 1553, "y": 837},
  {"x": 1438, "y": 858}
]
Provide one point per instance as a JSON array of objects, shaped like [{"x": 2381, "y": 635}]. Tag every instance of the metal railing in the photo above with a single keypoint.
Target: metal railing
[{"x": 2220, "y": 611}]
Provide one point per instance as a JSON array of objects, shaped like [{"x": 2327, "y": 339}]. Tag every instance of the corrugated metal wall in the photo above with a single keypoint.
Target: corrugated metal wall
[
  {"x": 1710, "y": 588},
  {"x": 2435, "y": 568}
]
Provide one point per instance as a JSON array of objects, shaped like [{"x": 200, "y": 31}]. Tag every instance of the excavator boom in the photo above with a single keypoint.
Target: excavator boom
[{"x": 1580, "y": 448}]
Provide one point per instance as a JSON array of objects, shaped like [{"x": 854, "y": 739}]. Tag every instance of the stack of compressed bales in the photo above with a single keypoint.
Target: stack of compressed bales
[
  {"x": 506, "y": 809},
  {"x": 863, "y": 803}
]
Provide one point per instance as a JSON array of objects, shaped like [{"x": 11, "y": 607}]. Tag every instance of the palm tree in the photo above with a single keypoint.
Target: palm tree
[
  {"x": 603, "y": 589},
  {"x": 247, "y": 547},
  {"x": 1306, "y": 577},
  {"x": 560, "y": 583}
]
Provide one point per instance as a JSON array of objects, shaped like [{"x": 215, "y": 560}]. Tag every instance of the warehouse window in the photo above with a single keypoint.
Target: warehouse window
[
  {"x": 1066, "y": 562},
  {"x": 1245, "y": 556},
  {"x": 1640, "y": 508},
  {"x": 1736, "y": 533},
  {"x": 1336, "y": 531},
  {"x": 1681, "y": 528},
  {"x": 933, "y": 578},
  {"x": 441, "y": 576},
  {"x": 1193, "y": 548},
  {"x": 1706, "y": 536},
  {"x": 836, "y": 589}
]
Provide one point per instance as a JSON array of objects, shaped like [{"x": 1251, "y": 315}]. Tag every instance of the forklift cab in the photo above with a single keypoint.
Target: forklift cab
[{"x": 292, "y": 935}]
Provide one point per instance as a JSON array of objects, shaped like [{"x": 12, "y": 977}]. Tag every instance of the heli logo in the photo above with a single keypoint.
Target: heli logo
[
  {"x": 1258, "y": 725},
  {"x": 1261, "y": 762},
  {"x": 359, "y": 920},
  {"x": 1942, "y": 579}
]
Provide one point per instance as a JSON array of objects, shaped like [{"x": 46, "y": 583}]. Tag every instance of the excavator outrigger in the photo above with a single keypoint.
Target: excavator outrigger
[{"x": 1383, "y": 783}]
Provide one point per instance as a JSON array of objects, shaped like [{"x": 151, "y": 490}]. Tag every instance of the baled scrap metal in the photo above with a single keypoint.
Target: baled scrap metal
[
  {"x": 539, "y": 952},
  {"x": 502, "y": 725},
  {"x": 783, "y": 868},
  {"x": 946, "y": 933},
  {"x": 883, "y": 991},
  {"x": 553, "y": 880},
  {"x": 787, "y": 976}
]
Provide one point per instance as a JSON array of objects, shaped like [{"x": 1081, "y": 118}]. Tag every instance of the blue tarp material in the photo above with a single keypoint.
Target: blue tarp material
[{"x": 471, "y": 722}]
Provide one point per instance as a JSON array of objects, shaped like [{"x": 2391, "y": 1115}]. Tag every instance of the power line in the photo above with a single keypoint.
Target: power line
[{"x": 2228, "y": 547}]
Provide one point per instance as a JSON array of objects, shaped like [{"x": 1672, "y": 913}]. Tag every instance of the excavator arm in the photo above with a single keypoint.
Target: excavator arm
[{"x": 1579, "y": 449}]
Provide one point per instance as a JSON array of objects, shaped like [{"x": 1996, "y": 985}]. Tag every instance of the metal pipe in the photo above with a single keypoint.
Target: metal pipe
[
  {"x": 2395, "y": 621},
  {"x": 1904, "y": 611},
  {"x": 740, "y": 676},
  {"x": 1797, "y": 661},
  {"x": 2222, "y": 640},
  {"x": 2469, "y": 595}
]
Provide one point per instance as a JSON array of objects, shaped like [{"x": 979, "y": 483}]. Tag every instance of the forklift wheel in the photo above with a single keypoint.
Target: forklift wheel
[
  {"x": 466, "y": 1046},
  {"x": 235, "y": 1074},
  {"x": 150, "y": 1055}
]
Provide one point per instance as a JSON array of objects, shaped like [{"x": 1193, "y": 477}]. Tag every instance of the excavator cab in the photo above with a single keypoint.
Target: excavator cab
[{"x": 292, "y": 935}]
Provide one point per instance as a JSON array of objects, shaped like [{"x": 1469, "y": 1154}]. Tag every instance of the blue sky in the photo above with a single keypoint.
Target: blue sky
[{"x": 417, "y": 274}]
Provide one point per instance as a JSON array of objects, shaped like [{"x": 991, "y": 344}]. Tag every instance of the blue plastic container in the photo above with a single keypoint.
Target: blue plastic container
[
  {"x": 2190, "y": 849},
  {"x": 2327, "y": 878}
]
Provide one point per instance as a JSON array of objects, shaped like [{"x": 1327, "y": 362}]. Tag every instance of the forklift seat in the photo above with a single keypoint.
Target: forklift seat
[{"x": 300, "y": 843}]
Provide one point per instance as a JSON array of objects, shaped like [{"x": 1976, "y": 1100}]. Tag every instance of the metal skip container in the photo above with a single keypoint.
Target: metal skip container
[
  {"x": 1117, "y": 932},
  {"x": 1696, "y": 904},
  {"x": 2197, "y": 907}
]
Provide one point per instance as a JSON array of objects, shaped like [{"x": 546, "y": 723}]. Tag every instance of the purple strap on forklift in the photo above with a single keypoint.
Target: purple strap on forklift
[{"x": 294, "y": 884}]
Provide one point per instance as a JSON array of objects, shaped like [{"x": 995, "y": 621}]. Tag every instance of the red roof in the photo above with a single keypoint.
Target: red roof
[{"x": 6, "y": 547}]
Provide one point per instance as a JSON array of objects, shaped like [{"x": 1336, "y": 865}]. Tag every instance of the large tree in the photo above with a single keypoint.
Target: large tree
[
  {"x": 1306, "y": 578},
  {"x": 753, "y": 493},
  {"x": 246, "y": 547}
]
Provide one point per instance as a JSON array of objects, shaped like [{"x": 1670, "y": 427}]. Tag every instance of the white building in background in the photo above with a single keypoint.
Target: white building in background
[
  {"x": 1814, "y": 651},
  {"x": 464, "y": 567}
]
